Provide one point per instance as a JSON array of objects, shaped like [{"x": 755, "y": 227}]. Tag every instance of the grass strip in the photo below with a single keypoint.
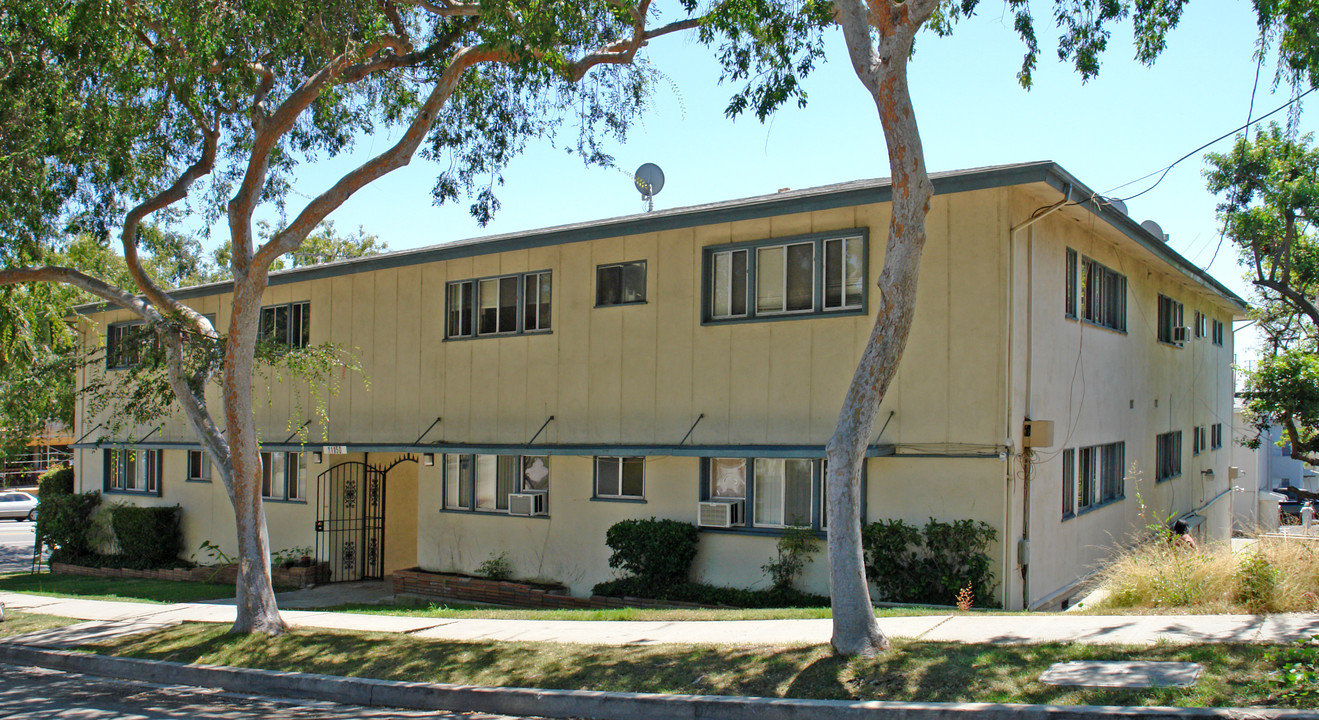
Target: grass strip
[
  {"x": 20, "y": 623},
  {"x": 1235, "y": 675},
  {"x": 470, "y": 612},
  {"x": 118, "y": 589}
]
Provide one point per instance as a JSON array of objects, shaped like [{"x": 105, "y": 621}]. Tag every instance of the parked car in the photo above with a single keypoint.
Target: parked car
[
  {"x": 1289, "y": 510},
  {"x": 17, "y": 506}
]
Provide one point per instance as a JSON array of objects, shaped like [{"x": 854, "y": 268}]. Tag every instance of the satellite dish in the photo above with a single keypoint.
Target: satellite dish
[
  {"x": 1117, "y": 205},
  {"x": 649, "y": 180},
  {"x": 1153, "y": 228}
]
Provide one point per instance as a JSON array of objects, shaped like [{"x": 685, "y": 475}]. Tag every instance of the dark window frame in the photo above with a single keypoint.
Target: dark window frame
[
  {"x": 1069, "y": 483},
  {"x": 749, "y": 525},
  {"x": 292, "y": 461},
  {"x": 466, "y": 483},
  {"x": 1217, "y": 332},
  {"x": 117, "y": 356},
  {"x": 1171, "y": 315},
  {"x": 1100, "y": 476},
  {"x": 1070, "y": 279},
  {"x": 747, "y": 279},
  {"x": 1102, "y": 296},
  {"x": 143, "y": 470},
  {"x": 622, "y": 268},
  {"x": 297, "y": 330},
  {"x": 1167, "y": 456},
  {"x": 203, "y": 474},
  {"x": 467, "y": 317}
]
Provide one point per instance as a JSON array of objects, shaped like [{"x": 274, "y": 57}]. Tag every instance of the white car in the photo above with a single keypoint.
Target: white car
[{"x": 17, "y": 505}]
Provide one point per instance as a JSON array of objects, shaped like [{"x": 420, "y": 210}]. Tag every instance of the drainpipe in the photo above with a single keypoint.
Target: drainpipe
[{"x": 1010, "y": 432}]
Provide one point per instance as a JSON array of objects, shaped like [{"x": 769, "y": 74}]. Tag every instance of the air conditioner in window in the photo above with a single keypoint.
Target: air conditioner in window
[
  {"x": 719, "y": 513},
  {"x": 1181, "y": 334},
  {"x": 527, "y": 504}
]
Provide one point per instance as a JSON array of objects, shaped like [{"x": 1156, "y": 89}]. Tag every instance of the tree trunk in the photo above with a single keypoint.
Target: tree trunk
[
  {"x": 884, "y": 73},
  {"x": 257, "y": 611}
]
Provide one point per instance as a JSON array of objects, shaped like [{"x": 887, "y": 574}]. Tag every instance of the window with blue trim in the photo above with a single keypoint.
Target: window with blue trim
[
  {"x": 504, "y": 305},
  {"x": 775, "y": 493},
  {"x": 806, "y": 275},
  {"x": 483, "y": 483},
  {"x": 132, "y": 471},
  {"x": 284, "y": 476}
]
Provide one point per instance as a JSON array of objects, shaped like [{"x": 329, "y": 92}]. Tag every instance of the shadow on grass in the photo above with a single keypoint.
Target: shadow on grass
[{"x": 1235, "y": 675}]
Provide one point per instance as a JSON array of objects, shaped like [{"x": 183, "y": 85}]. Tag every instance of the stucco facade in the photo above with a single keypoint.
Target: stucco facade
[{"x": 674, "y": 380}]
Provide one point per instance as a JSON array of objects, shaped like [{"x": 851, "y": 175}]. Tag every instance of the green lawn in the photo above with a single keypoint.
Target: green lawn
[
  {"x": 459, "y": 611},
  {"x": 91, "y": 588},
  {"x": 19, "y": 623},
  {"x": 1235, "y": 675}
]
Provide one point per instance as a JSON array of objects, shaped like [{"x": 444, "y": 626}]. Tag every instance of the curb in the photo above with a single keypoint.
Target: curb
[{"x": 587, "y": 704}]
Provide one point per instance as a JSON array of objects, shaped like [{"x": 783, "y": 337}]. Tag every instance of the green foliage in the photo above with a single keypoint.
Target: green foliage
[
  {"x": 929, "y": 565},
  {"x": 1298, "y": 669},
  {"x": 656, "y": 552},
  {"x": 65, "y": 525},
  {"x": 211, "y": 554},
  {"x": 148, "y": 537},
  {"x": 58, "y": 481},
  {"x": 1256, "y": 580},
  {"x": 289, "y": 557},
  {"x": 795, "y": 547},
  {"x": 703, "y": 594},
  {"x": 496, "y": 567}
]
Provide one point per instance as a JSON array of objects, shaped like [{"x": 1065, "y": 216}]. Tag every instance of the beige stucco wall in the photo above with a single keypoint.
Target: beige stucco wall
[{"x": 642, "y": 374}]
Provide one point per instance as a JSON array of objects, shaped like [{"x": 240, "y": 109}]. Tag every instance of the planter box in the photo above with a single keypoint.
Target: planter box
[
  {"x": 295, "y": 577},
  {"x": 451, "y": 586}
]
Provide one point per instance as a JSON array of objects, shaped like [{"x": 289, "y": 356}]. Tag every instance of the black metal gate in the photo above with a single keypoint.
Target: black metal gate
[{"x": 350, "y": 521}]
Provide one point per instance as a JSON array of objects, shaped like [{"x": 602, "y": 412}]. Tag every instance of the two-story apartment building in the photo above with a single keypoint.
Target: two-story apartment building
[{"x": 526, "y": 391}]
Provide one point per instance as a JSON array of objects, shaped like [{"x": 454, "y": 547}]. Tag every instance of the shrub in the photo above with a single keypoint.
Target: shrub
[
  {"x": 656, "y": 552},
  {"x": 496, "y": 567},
  {"x": 148, "y": 537},
  {"x": 65, "y": 524},
  {"x": 703, "y": 594},
  {"x": 58, "y": 481},
  {"x": 795, "y": 547},
  {"x": 1256, "y": 581},
  {"x": 930, "y": 565}
]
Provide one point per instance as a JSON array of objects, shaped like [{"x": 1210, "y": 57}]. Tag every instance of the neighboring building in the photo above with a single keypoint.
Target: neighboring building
[
  {"x": 1263, "y": 469},
  {"x": 43, "y": 451},
  {"x": 690, "y": 364}
]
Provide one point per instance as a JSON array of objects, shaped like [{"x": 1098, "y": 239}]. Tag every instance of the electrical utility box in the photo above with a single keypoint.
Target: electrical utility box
[{"x": 1037, "y": 434}]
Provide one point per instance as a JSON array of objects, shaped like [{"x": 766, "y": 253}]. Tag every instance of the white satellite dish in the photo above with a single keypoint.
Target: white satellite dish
[
  {"x": 649, "y": 180},
  {"x": 1153, "y": 228}
]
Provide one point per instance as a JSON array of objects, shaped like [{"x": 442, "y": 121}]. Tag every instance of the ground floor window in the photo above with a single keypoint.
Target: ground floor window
[
  {"x": 199, "y": 466},
  {"x": 770, "y": 492},
  {"x": 284, "y": 476},
  {"x": 488, "y": 483},
  {"x": 133, "y": 471},
  {"x": 1168, "y": 456},
  {"x": 620, "y": 478}
]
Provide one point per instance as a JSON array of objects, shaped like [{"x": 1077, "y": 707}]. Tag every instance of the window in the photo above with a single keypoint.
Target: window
[
  {"x": 1218, "y": 332},
  {"x": 124, "y": 343},
  {"x": 1216, "y": 436},
  {"x": 1201, "y": 326},
  {"x": 133, "y": 471},
  {"x": 1101, "y": 475},
  {"x": 806, "y": 275},
  {"x": 1170, "y": 318},
  {"x": 1069, "y": 292},
  {"x": 620, "y": 478},
  {"x": 284, "y": 476},
  {"x": 776, "y": 492},
  {"x": 482, "y": 483},
  {"x": 620, "y": 283},
  {"x": 199, "y": 466},
  {"x": 1168, "y": 456},
  {"x": 286, "y": 324},
  {"x": 1199, "y": 439},
  {"x": 1103, "y": 296},
  {"x": 1069, "y": 482},
  {"x": 507, "y": 305}
]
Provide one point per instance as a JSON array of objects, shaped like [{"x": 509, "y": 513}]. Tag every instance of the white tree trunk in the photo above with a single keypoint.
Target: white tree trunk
[{"x": 883, "y": 70}]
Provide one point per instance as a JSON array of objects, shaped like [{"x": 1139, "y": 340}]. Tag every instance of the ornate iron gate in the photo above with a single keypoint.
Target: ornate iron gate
[{"x": 350, "y": 521}]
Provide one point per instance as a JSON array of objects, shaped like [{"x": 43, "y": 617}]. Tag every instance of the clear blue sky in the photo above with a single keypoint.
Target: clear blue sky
[{"x": 1128, "y": 122}]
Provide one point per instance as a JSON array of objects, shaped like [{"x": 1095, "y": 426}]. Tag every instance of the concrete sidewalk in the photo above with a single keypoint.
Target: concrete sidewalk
[{"x": 125, "y": 618}]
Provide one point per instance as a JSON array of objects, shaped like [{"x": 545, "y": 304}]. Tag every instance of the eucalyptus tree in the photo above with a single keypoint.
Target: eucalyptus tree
[
  {"x": 123, "y": 108},
  {"x": 880, "y": 37},
  {"x": 1270, "y": 212}
]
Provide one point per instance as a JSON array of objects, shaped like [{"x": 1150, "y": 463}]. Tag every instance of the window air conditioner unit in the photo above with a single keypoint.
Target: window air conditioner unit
[
  {"x": 526, "y": 504},
  {"x": 719, "y": 513},
  {"x": 1181, "y": 334}
]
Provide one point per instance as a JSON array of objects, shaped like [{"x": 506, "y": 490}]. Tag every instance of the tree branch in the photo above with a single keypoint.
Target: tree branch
[
  {"x": 1299, "y": 451},
  {"x": 1293, "y": 298},
  {"x": 101, "y": 289},
  {"x": 445, "y": 8}
]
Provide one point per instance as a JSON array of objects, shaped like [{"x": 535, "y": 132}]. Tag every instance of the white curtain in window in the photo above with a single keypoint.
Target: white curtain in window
[
  {"x": 452, "y": 475},
  {"x": 770, "y": 279},
  {"x": 769, "y": 491},
  {"x": 487, "y": 478}
]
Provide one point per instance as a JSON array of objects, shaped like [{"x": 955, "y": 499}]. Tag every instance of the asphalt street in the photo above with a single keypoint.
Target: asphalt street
[
  {"x": 29, "y": 693},
  {"x": 16, "y": 545}
]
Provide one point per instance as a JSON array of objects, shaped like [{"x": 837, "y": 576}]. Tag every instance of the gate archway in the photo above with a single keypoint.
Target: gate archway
[{"x": 350, "y": 521}]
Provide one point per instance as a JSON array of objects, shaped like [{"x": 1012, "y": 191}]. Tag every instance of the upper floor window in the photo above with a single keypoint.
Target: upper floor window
[
  {"x": 1093, "y": 476},
  {"x": 620, "y": 283},
  {"x": 123, "y": 344},
  {"x": 1216, "y": 436},
  {"x": 288, "y": 324},
  {"x": 1168, "y": 456},
  {"x": 506, "y": 305},
  {"x": 1218, "y": 332},
  {"x": 1201, "y": 325},
  {"x": 1103, "y": 296},
  {"x": 1171, "y": 316},
  {"x": 133, "y": 471},
  {"x": 1069, "y": 291},
  {"x": 797, "y": 276}
]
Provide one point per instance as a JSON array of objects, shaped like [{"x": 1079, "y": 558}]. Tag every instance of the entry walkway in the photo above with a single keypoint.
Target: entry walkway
[{"x": 123, "y": 618}]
